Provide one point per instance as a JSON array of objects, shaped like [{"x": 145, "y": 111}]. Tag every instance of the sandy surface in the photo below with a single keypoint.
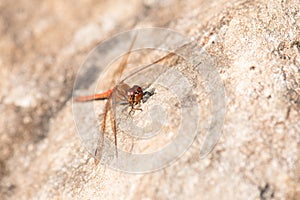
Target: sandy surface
[{"x": 256, "y": 47}]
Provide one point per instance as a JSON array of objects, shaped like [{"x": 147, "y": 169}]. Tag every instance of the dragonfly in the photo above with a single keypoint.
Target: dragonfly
[{"x": 132, "y": 96}]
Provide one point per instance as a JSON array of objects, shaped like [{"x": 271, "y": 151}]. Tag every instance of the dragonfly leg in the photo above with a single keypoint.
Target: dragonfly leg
[{"x": 133, "y": 109}]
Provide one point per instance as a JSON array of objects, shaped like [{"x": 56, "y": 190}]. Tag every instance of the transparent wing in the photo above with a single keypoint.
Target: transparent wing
[
  {"x": 100, "y": 143},
  {"x": 116, "y": 95},
  {"x": 152, "y": 71}
]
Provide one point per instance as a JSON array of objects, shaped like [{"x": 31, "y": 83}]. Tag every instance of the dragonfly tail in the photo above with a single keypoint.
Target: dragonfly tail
[{"x": 94, "y": 97}]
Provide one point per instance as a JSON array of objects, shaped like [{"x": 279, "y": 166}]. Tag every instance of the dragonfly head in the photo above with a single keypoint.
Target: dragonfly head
[{"x": 134, "y": 94}]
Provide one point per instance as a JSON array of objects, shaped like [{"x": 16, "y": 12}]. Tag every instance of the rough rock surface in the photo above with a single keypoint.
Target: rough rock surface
[{"x": 257, "y": 47}]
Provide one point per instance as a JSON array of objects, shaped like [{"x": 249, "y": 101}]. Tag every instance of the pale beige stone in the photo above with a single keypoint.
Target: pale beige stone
[{"x": 256, "y": 45}]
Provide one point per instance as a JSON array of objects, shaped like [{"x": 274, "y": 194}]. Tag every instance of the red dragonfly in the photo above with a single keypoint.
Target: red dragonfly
[{"x": 132, "y": 95}]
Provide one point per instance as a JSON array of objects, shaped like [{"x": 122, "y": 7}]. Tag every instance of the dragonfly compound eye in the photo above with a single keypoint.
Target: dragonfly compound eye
[
  {"x": 135, "y": 94},
  {"x": 138, "y": 92}
]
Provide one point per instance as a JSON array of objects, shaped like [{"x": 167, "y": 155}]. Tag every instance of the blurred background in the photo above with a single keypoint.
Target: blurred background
[{"x": 43, "y": 44}]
